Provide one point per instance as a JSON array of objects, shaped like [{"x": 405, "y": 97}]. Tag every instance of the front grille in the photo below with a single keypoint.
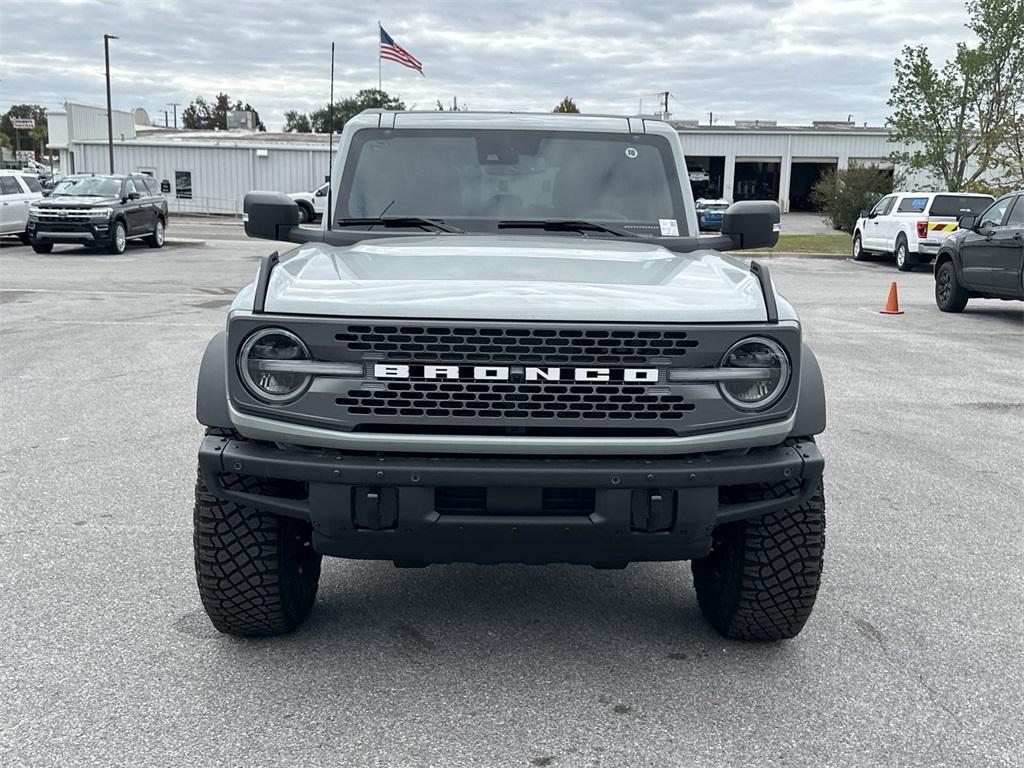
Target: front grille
[
  {"x": 512, "y": 400},
  {"x": 475, "y": 344},
  {"x": 64, "y": 215}
]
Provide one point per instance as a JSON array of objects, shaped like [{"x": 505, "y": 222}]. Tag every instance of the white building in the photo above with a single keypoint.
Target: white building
[{"x": 210, "y": 171}]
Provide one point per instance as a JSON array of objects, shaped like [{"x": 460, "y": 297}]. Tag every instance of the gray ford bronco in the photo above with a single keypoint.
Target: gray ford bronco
[{"x": 508, "y": 343}]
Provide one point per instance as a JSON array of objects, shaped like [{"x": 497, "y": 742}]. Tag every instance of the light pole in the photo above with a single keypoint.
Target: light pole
[{"x": 110, "y": 115}]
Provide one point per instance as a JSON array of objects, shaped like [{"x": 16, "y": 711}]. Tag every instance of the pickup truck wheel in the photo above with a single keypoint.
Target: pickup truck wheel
[
  {"x": 950, "y": 296},
  {"x": 118, "y": 238},
  {"x": 858, "y": 249},
  {"x": 40, "y": 246},
  {"x": 156, "y": 240},
  {"x": 257, "y": 573},
  {"x": 761, "y": 579},
  {"x": 305, "y": 213},
  {"x": 905, "y": 260}
]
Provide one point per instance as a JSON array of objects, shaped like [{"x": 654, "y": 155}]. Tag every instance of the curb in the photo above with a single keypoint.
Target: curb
[{"x": 796, "y": 255}]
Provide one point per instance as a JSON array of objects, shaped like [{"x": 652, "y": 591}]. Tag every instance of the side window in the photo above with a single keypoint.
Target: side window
[
  {"x": 1016, "y": 217},
  {"x": 140, "y": 185},
  {"x": 322, "y": 190},
  {"x": 882, "y": 206},
  {"x": 993, "y": 216},
  {"x": 153, "y": 186},
  {"x": 183, "y": 185},
  {"x": 9, "y": 186},
  {"x": 912, "y": 205},
  {"x": 33, "y": 183},
  {"x": 129, "y": 187}
]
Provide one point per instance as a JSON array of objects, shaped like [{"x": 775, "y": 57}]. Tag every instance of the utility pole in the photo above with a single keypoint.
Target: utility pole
[
  {"x": 110, "y": 115},
  {"x": 664, "y": 95},
  {"x": 711, "y": 118},
  {"x": 166, "y": 124},
  {"x": 175, "y": 105}
]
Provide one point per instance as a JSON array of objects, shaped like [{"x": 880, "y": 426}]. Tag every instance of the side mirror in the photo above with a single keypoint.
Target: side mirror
[
  {"x": 752, "y": 224},
  {"x": 134, "y": 195},
  {"x": 269, "y": 215},
  {"x": 968, "y": 222},
  {"x": 864, "y": 213}
]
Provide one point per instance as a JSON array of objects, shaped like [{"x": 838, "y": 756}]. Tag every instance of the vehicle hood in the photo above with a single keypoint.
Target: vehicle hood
[
  {"x": 75, "y": 201},
  {"x": 511, "y": 277}
]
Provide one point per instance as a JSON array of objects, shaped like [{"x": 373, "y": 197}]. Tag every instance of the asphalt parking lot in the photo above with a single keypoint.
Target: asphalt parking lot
[{"x": 912, "y": 657}]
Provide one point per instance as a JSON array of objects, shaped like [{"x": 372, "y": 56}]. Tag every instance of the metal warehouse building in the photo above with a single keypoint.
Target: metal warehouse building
[{"x": 210, "y": 171}]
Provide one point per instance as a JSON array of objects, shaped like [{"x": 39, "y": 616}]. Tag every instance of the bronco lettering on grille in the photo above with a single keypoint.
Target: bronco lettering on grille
[{"x": 508, "y": 372}]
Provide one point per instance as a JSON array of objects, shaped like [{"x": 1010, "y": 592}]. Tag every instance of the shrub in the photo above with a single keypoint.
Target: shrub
[{"x": 842, "y": 194}]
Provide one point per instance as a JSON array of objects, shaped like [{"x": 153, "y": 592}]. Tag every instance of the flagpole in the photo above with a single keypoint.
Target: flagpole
[
  {"x": 380, "y": 87},
  {"x": 329, "y": 213}
]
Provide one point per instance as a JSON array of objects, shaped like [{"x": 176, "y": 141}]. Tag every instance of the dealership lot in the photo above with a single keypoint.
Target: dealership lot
[{"x": 912, "y": 656}]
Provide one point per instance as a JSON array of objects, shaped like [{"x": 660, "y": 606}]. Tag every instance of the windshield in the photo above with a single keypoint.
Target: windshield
[
  {"x": 89, "y": 186},
  {"x": 480, "y": 177},
  {"x": 959, "y": 205}
]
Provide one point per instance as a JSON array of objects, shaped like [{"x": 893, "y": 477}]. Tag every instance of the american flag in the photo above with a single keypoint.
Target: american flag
[{"x": 392, "y": 51}]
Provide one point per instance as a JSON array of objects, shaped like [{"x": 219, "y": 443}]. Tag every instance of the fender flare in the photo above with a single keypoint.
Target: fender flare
[
  {"x": 810, "y": 407},
  {"x": 212, "y": 387}
]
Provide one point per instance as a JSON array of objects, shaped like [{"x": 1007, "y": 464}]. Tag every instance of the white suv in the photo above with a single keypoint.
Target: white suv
[
  {"x": 311, "y": 204},
  {"x": 17, "y": 192},
  {"x": 912, "y": 225}
]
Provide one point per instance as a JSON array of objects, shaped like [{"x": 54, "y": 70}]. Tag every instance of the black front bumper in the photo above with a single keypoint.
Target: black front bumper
[
  {"x": 71, "y": 232},
  {"x": 418, "y": 510}
]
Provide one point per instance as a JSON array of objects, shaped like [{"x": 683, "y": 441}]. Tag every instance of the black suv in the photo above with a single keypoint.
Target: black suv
[
  {"x": 985, "y": 258},
  {"x": 100, "y": 210}
]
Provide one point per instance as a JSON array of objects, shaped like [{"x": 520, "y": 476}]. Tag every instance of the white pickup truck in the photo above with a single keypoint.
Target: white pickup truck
[
  {"x": 912, "y": 225},
  {"x": 311, "y": 204}
]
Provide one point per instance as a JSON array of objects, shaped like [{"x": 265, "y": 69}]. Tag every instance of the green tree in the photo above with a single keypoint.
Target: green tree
[
  {"x": 200, "y": 114},
  {"x": 34, "y": 139},
  {"x": 296, "y": 122},
  {"x": 567, "y": 105},
  {"x": 954, "y": 120},
  {"x": 842, "y": 194},
  {"x": 344, "y": 110}
]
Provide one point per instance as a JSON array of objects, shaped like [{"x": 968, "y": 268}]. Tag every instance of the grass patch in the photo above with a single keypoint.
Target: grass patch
[{"x": 832, "y": 243}]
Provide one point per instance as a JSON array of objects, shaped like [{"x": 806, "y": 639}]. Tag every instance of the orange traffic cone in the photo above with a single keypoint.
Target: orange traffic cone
[{"x": 892, "y": 304}]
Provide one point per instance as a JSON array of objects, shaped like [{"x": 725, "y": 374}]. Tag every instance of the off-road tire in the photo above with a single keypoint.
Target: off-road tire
[
  {"x": 39, "y": 247},
  {"x": 950, "y": 296},
  {"x": 761, "y": 579},
  {"x": 257, "y": 573},
  {"x": 905, "y": 260},
  {"x": 118, "y": 244},
  {"x": 156, "y": 240},
  {"x": 859, "y": 254}
]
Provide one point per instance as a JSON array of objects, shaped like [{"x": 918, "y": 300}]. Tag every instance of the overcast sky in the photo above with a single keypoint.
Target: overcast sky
[{"x": 789, "y": 60}]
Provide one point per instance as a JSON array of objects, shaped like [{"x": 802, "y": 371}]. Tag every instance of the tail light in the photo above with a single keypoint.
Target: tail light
[{"x": 922, "y": 229}]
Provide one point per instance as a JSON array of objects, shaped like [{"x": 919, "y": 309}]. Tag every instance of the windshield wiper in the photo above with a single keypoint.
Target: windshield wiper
[
  {"x": 401, "y": 221},
  {"x": 564, "y": 225}
]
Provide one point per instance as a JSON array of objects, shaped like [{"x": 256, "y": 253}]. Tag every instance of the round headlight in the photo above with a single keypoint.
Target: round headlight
[
  {"x": 264, "y": 379},
  {"x": 762, "y": 373}
]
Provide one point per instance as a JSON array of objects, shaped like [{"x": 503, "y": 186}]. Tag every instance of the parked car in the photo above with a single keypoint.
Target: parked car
[
  {"x": 311, "y": 204},
  {"x": 18, "y": 192},
  {"x": 453, "y": 373},
  {"x": 710, "y": 213},
  {"x": 912, "y": 225},
  {"x": 100, "y": 210},
  {"x": 985, "y": 258}
]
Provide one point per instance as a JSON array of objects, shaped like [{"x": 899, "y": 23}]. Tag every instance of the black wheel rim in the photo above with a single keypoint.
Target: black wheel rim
[{"x": 945, "y": 289}]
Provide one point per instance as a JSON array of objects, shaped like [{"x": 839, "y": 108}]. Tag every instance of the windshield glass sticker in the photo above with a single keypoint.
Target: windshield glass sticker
[
  {"x": 631, "y": 152},
  {"x": 669, "y": 227}
]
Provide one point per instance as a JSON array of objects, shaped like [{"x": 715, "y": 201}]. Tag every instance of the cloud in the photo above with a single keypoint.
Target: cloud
[{"x": 790, "y": 60}]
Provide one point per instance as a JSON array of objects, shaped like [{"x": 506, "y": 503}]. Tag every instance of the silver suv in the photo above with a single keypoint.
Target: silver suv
[{"x": 509, "y": 343}]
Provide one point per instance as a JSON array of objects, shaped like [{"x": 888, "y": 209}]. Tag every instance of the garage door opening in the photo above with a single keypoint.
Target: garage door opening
[
  {"x": 706, "y": 176},
  {"x": 756, "y": 180},
  {"x": 803, "y": 176}
]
